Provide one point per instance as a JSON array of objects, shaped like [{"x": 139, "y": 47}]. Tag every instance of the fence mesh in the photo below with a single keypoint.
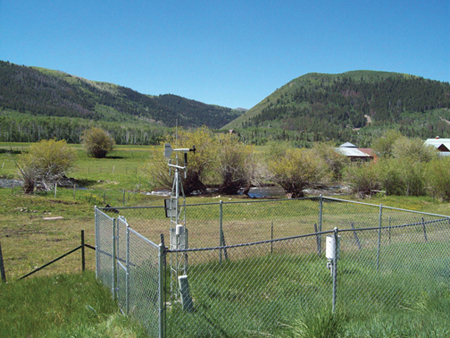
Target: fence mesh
[
  {"x": 144, "y": 284},
  {"x": 104, "y": 251},
  {"x": 255, "y": 266},
  {"x": 255, "y": 290}
]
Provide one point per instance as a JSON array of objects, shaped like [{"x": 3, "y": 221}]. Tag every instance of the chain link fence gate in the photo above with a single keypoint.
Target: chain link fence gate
[
  {"x": 131, "y": 266},
  {"x": 388, "y": 259}
]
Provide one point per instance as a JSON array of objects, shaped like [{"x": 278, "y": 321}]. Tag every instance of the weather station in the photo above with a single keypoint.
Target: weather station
[{"x": 175, "y": 208}]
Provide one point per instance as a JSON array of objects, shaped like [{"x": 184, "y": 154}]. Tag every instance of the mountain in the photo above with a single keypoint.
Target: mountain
[
  {"x": 339, "y": 107},
  {"x": 38, "y": 94}
]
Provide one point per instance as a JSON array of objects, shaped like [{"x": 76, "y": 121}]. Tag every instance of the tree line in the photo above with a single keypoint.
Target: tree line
[
  {"x": 25, "y": 128},
  {"x": 404, "y": 166}
]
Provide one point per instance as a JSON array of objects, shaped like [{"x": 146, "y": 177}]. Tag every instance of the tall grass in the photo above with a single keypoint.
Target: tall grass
[
  {"x": 291, "y": 295},
  {"x": 66, "y": 305}
]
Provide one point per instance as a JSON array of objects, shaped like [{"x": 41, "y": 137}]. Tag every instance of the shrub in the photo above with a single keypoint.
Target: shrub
[
  {"x": 438, "y": 178},
  {"x": 335, "y": 161},
  {"x": 235, "y": 164},
  {"x": 383, "y": 145},
  {"x": 200, "y": 164},
  {"x": 363, "y": 178},
  {"x": 413, "y": 150},
  {"x": 298, "y": 169},
  {"x": 97, "y": 142},
  {"x": 46, "y": 162}
]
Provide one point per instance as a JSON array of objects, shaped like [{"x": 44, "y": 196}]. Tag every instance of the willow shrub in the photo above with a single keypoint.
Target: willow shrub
[
  {"x": 45, "y": 163},
  {"x": 363, "y": 178},
  {"x": 297, "y": 169},
  {"x": 402, "y": 176},
  {"x": 438, "y": 178}
]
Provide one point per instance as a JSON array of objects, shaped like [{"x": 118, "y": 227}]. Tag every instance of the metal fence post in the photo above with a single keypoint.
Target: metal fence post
[
  {"x": 127, "y": 275},
  {"x": 379, "y": 236},
  {"x": 271, "y": 237},
  {"x": 424, "y": 230},
  {"x": 389, "y": 230},
  {"x": 161, "y": 258},
  {"x": 220, "y": 230},
  {"x": 114, "y": 263},
  {"x": 335, "y": 259},
  {"x": 2, "y": 267},
  {"x": 319, "y": 238},
  {"x": 97, "y": 241},
  {"x": 83, "y": 254}
]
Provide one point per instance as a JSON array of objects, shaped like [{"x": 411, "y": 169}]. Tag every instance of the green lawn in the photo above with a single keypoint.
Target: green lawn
[{"x": 65, "y": 305}]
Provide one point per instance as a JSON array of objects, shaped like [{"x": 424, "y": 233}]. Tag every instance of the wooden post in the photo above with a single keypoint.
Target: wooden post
[{"x": 2, "y": 267}]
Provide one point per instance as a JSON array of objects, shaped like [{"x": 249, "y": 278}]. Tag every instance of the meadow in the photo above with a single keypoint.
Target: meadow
[
  {"x": 284, "y": 295},
  {"x": 29, "y": 240},
  {"x": 62, "y": 305}
]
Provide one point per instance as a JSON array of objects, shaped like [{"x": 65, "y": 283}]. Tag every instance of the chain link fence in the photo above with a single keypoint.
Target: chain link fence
[{"x": 255, "y": 266}]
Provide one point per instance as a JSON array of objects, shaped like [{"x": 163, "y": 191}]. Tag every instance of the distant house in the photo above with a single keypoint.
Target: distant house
[
  {"x": 355, "y": 154},
  {"x": 441, "y": 144}
]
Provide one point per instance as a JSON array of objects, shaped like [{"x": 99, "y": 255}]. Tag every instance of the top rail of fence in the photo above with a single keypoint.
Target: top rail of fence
[
  {"x": 135, "y": 207},
  {"x": 386, "y": 207},
  {"x": 324, "y": 198},
  {"x": 253, "y": 243}
]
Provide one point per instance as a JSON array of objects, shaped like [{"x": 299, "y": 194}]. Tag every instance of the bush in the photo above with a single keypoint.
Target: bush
[
  {"x": 200, "y": 164},
  {"x": 438, "y": 177},
  {"x": 383, "y": 145},
  {"x": 403, "y": 173},
  {"x": 46, "y": 162},
  {"x": 335, "y": 161},
  {"x": 363, "y": 178},
  {"x": 413, "y": 150},
  {"x": 298, "y": 169},
  {"x": 97, "y": 142},
  {"x": 235, "y": 164}
]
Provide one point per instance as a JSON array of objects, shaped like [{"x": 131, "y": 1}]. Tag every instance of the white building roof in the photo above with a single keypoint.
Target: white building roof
[
  {"x": 347, "y": 145},
  {"x": 436, "y": 142},
  {"x": 351, "y": 152}
]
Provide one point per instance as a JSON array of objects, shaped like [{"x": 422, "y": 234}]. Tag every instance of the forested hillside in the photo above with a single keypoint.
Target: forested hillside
[
  {"x": 344, "y": 107},
  {"x": 41, "y": 103}
]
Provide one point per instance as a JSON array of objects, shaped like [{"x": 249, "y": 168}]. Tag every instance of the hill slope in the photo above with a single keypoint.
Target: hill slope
[
  {"x": 331, "y": 105},
  {"x": 44, "y": 92}
]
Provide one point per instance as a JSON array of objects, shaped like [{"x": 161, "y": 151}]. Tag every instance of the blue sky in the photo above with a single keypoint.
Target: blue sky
[{"x": 230, "y": 53}]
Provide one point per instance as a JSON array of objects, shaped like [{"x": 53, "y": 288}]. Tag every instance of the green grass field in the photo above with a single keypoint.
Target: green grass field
[
  {"x": 28, "y": 241},
  {"x": 289, "y": 294},
  {"x": 67, "y": 305}
]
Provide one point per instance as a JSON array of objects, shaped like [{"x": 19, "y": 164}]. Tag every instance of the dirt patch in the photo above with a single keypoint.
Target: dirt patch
[{"x": 21, "y": 230}]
